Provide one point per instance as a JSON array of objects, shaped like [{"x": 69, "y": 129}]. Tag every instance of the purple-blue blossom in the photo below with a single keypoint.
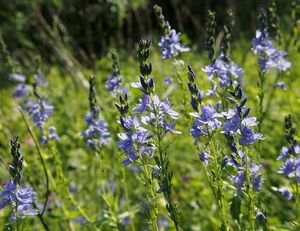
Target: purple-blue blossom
[
  {"x": 205, "y": 123},
  {"x": 204, "y": 156},
  {"x": 96, "y": 133},
  {"x": 170, "y": 45},
  {"x": 164, "y": 113},
  {"x": 20, "y": 199},
  {"x": 38, "y": 111},
  {"x": 270, "y": 57},
  {"x": 286, "y": 193},
  {"x": 113, "y": 83},
  {"x": 225, "y": 69},
  {"x": 21, "y": 90}
]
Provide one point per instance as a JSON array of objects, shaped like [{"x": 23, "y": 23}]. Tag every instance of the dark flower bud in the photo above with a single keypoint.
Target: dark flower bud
[
  {"x": 155, "y": 172},
  {"x": 231, "y": 100},
  {"x": 191, "y": 74},
  {"x": 194, "y": 103},
  {"x": 232, "y": 93},
  {"x": 225, "y": 161},
  {"x": 143, "y": 83},
  {"x": 190, "y": 86},
  {"x": 243, "y": 102},
  {"x": 237, "y": 87},
  {"x": 126, "y": 108},
  {"x": 118, "y": 107},
  {"x": 239, "y": 110},
  {"x": 151, "y": 84},
  {"x": 12, "y": 170},
  {"x": 246, "y": 113},
  {"x": 239, "y": 94},
  {"x": 200, "y": 96}
]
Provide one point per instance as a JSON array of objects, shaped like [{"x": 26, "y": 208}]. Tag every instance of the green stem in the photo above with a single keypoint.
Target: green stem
[
  {"x": 249, "y": 194},
  {"x": 127, "y": 200},
  {"x": 163, "y": 157},
  {"x": 219, "y": 194},
  {"x": 152, "y": 197},
  {"x": 41, "y": 159}
]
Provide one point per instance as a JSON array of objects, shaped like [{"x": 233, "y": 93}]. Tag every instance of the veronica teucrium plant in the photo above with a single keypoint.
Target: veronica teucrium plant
[
  {"x": 290, "y": 168},
  {"x": 270, "y": 58},
  {"x": 171, "y": 47},
  {"x": 209, "y": 123},
  {"x": 145, "y": 134},
  {"x": 19, "y": 197}
]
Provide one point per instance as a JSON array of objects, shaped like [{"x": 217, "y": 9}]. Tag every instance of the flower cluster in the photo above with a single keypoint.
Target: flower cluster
[
  {"x": 270, "y": 56},
  {"x": 158, "y": 110},
  {"x": 96, "y": 132},
  {"x": 38, "y": 109},
  {"x": 169, "y": 43},
  {"x": 115, "y": 80},
  {"x": 135, "y": 140},
  {"x": 239, "y": 162},
  {"x": 290, "y": 155},
  {"x": 20, "y": 198},
  {"x": 206, "y": 123},
  {"x": 225, "y": 69}
]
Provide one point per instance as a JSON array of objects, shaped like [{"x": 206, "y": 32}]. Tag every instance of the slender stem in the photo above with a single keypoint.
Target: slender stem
[
  {"x": 149, "y": 184},
  {"x": 249, "y": 194},
  {"x": 219, "y": 194},
  {"x": 41, "y": 159},
  {"x": 127, "y": 199},
  {"x": 171, "y": 206}
]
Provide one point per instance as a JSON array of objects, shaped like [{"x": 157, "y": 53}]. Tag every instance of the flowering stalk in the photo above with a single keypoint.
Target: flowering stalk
[
  {"x": 270, "y": 57},
  {"x": 171, "y": 47},
  {"x": 290, "y": 154},
  {"x": 165, "y": 175},
  {"x": 19, "y": 197},
  {"x": 206, "y": 125},
  {"x": 221, "y": 70},
  {"x": 132, "y": 141},
  {"x": 237, "y": 130}
]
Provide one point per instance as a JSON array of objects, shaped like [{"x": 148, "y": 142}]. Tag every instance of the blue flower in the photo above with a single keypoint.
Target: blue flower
[
  {"x": 165, "y": 114},
  {"x": 256, "y": 179},
  {"x": 38, "y": 111},
  {"x": 204, "y": 156},
  {"x": 260, "y": 216},
  {"x": 225, "y": 69},
  {"x": 288, "y": 168},
  {"x": 20, "y": 197},
  {"x": 231, "y": 125},
  {"x": 239, "y": 180},
  {"x": 170, "y": 45},
  {"x": 270, "y": 56},
  {"x": 286, "y": 193},
  {"x": 281, "y": 85},
  {"x": 21, "y": 90},
  {"x": 248, "y": 136},
  {"x": 284, "y": 153},
  {"x": 168, "y": 80},
  {"x": 17, "y": 77},
  {"x": 113, "y": 83},
  {"x": 205, "y": 123},
  {"x": 96, "y": 132}
]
